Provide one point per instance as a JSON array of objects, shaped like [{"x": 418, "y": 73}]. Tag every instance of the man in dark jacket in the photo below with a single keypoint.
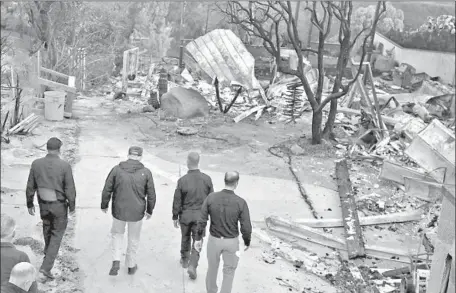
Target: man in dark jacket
[
  {"x": 22, "y": 277},
  {"x": 9, "y": 255},
  {"x": 129, "y": 184},
  {"x": 226, "y": 210},
  {"x": 191, "y": 191},
  {"x": 52, "y": 179}
]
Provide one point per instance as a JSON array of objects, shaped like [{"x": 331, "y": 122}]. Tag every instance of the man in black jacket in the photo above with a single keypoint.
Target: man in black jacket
[
  {"x": 191, "y": 191},
  {"x": 226, "y": 210},
  {"x": 131, "y": 187},
  {"x": 52, "y": 179}
]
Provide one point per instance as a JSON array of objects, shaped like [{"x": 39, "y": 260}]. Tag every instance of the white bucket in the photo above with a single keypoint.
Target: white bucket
[{"x": 54, "y": 104}]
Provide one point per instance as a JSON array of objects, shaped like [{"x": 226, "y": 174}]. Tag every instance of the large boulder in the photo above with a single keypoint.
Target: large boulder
[{"x": 184, "y": 103}]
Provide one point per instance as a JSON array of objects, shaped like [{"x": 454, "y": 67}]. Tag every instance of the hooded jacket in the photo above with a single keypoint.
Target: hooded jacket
[{"x": 132, "y": 189}]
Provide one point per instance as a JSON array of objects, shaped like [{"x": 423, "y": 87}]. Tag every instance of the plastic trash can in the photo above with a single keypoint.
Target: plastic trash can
[{"x": 54, "y": 103}]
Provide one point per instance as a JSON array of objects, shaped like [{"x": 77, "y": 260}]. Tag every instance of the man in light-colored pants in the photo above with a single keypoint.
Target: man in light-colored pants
[
  {"x": 228, "y": 248},
  {"x": 226, "y": 210},
  {"x": 131, "y": 187},
  {"x": 117, "y": 234}
]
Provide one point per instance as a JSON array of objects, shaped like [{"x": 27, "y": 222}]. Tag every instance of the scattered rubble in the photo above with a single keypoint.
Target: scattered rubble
[{"x": 383, "y": 125}]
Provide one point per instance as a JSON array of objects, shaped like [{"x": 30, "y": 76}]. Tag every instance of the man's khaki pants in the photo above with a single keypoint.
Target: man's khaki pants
[
  {"x": 118, "y": 231},
  {"x": 227, "y": 248}
]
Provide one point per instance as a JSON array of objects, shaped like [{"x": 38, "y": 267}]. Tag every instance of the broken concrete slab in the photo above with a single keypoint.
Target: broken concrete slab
[
  {"x": 434, "y": 150},
  {"x": 409, "y": 126}
]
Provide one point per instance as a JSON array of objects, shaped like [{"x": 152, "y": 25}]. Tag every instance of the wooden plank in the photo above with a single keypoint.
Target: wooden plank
[
  {"x": 248, "y": 113},
  {"x": 13, "y": 85},
  {"x": 53, "y": 72},
  {"x": 401, "y": 271},
  {"x": 30, "y": 117},
  {"x": 396, "y": 172},
  {"x": 72, "y": 81},
  {"x": 56, "y": 85},
  {"x": 286, "y": 252},
  {"x": 364, "y": 221},
  {"x": 38, "y": 63},
  {"x": 288, "y": 228},
  {"x": 258, "y": 114},
  {"x": 353, "y": 233},
  {"x": 356, "y": 274},
  {"x": 377, "y": 106},
  {"x": 363, "y": 92},
  {"x": 31, "y": 126},
  {"x": 25, "y": 125},
  {"x": 124, "y": 71}
]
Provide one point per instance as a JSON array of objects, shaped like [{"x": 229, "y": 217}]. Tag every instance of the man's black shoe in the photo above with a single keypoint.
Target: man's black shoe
[
  {"x": 132, "y": 271},
  {"x": 47, "y": 274},
  {"x": 191, "y": 272},
  {"x": 115, "y": 268}
]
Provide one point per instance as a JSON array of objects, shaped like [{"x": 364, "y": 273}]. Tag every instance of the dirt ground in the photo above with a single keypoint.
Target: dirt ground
[{"x": 98, "y": 137}]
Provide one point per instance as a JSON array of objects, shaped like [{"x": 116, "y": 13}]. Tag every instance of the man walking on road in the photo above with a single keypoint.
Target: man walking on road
[
  {"x": 131, "y": 187},
  {"x": 226, "y": 210},
  {"x": 52, "y": 179},
  {"x": 191, "y": 191}
]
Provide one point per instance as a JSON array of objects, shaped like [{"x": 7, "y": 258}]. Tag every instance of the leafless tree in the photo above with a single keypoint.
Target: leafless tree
[
  {"x": 257, "y": 19},
  {"x": 322, "y": 16}
]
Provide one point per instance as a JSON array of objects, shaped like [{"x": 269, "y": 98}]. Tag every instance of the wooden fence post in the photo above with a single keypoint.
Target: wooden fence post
[{"x": 124, "y": 71}]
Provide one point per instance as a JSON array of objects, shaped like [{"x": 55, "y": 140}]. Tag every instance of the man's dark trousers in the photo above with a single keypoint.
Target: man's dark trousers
[
  {"x": 188, "y": 223},
  {"x": 55, "y": 220}
]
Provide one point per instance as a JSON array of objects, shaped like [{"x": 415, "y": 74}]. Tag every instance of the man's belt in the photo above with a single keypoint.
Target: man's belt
[
  {"x": 221, "y": 237},
  {"x": 50, "y": 202}
]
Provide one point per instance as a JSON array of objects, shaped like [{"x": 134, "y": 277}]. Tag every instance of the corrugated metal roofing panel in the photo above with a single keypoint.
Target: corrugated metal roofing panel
[{"x": 220, "y": 53}]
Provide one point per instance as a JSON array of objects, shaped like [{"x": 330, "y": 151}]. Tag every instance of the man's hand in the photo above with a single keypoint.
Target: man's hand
[
  {"x": 199, "y": 245},
  {"x": 31, "y": 211},
  {"x": 176, "y": 224},
  {"x": 148, "y": 216},
  {"x": 104, "y": 210}
]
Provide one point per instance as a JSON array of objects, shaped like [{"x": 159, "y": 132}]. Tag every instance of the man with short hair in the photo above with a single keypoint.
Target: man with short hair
[
  {"x": 9, "y": 255},
  {"x": 21, "y": 279},
  {"x": 191, "y": 191},
  {"x": 52, "y": 179},
  {"x": 226, "y": 210},
  {"x": 131, "y": 187}
]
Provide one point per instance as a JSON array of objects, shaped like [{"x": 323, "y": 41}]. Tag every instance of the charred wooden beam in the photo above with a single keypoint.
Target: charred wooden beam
[{"x": 353, "y": 233}]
